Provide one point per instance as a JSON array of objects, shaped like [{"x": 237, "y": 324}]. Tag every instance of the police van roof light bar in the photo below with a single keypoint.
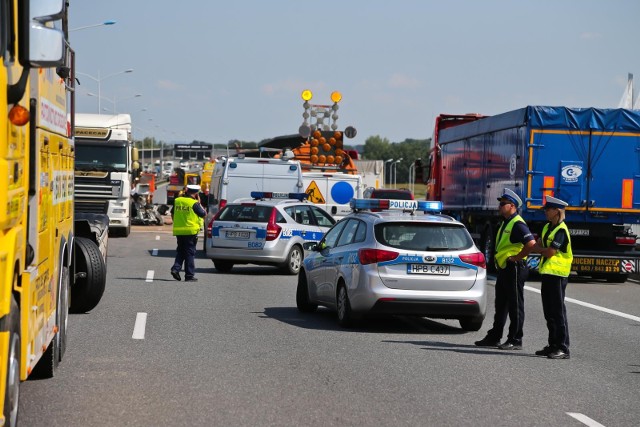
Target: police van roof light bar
[{"x": 274, "y": 195}]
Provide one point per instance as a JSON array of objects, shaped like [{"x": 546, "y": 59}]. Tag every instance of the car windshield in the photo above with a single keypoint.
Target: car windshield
[
  {"x": 423, "y": 237},
  {"x": 246, "y": 213}
]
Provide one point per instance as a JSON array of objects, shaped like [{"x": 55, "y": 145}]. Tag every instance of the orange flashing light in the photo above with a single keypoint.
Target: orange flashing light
[
  {"x": 627, "y": 193},
  {"x": 18, "y": 115},
  {"x": 548, "y": 186}
]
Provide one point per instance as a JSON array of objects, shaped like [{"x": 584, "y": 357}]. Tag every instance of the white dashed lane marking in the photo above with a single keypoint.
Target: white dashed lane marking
[
  {"x": 140, "y": 326},
  {"x": 150, "y": 274},
  {"x": 593, "y": 306},
  {"x": 584, "y": 419}
]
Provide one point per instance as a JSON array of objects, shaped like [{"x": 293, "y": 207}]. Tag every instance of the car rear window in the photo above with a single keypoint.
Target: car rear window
[
  {"x": 397, "y": 195},
  {"x": 246, "y": 213},
  {"x": 423, "y": 237}
]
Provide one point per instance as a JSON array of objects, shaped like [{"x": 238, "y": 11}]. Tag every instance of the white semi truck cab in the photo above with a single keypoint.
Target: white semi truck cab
[{"x": 105, "y": 168}]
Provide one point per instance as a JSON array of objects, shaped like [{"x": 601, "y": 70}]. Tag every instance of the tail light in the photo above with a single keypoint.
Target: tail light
[
  {"x": 372, "y": 256},
  {"x": 626, "y": 240},
  {"x": 222, "y": 204},
  {"x": 476, "y": 259},
  {"x": 273, "y": 229},
  {"x": 209, "y": 229}
]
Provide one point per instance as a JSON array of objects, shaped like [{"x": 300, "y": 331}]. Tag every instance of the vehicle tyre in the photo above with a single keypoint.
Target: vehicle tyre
[
  {"x": 223, "y": 266},
  {"x": 471, "y": 324},
  {"x": 345, "y": 315},
  {"x": 294, "y": 260},
  {"x": 12, "y": 382},
  {"x": 86, "y": 292},
  {"x": 617, "y": 278},
  {"x": 302, "y": 295},
  {"x": 488, "y": 245}
]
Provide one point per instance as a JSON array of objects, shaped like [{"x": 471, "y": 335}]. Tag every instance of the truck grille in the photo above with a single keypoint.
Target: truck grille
[
  {"x": 97, "y": 207},
  {"x": 85, "y": 187}
]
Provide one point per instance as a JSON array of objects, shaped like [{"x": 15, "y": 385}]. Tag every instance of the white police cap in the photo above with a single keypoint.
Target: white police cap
[
  {"x": 193, "y": 188},
  {"x": 512, "y": 197},
  {"x": 553, "y": 202}
]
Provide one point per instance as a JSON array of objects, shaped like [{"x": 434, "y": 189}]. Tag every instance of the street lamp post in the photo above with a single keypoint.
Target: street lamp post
[
  {"x": 385, "y": 170},
  {"x": 101, "y": 24},
  {"x": 99, "y": 81},
  {"x": 395, "y": 171},
  {"x": 113, "y": 101}
]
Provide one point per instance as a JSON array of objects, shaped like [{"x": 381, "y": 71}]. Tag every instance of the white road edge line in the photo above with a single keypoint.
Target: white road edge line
[
  {"x": 140, "y": 326},
  {"x": 593, "y": 306},
  {"x": 150, "y": 274},
  {"x": 154, "y": 252},
  {"x": 584, "y": 419}
]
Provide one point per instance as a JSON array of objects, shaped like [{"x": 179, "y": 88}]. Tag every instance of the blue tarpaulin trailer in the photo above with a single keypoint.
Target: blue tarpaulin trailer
[{"x": 588, "y": 157}]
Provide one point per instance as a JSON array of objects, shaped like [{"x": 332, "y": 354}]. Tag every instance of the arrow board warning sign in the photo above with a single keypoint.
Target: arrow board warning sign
[{"x": 313, "y": 193}]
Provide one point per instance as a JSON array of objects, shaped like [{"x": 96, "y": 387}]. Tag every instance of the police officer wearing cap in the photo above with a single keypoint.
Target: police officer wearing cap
[
  {"x": 188, "y": 217},
  {"x": 514, "y": 242},
  {"x": 555, "y": 267}
]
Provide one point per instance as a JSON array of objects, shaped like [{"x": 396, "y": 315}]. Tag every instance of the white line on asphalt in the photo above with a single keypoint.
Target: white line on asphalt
[
  {"x": 157, "y": 237},
  {"x": 154, "y": 252},
  {"x": 149, "y": 276},
  {"x": 139, "y": 327},
  {"x": 595, "y": 307},
  {"x": 584, "y": 419}
]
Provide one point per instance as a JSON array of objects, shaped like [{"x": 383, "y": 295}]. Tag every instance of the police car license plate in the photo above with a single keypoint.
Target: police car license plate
[
  {"x": 442, "y": 270},
  {"x": 236, "y": 234}
]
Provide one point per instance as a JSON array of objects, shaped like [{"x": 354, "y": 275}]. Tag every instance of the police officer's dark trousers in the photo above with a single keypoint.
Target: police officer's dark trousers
[
  {"x": 552, "y": 292},
  {"x": 509, "y": 302},
  {"x": 186, "y": 253}
]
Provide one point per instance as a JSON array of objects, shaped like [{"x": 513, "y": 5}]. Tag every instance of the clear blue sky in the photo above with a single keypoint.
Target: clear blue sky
[{"x": 216, "y": 71}]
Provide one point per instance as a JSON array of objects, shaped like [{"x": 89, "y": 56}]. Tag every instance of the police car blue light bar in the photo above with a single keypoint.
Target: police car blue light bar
[
  {"x": 274, "y": 195},
  {"x": 391, "y": 204}
]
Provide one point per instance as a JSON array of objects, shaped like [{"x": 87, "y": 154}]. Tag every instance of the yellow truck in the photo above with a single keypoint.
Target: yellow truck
[{"x": 48, "y": 257}]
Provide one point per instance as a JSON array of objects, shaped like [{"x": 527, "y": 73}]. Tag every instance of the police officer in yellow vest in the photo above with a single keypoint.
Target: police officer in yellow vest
[
  {"x": 514, "y": 242},
  {"x": 555, "y": 267},
  {"x": 188, "y": 217}
]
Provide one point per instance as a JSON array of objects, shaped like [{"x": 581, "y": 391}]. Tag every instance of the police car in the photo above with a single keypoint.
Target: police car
[
  {"x": 403, "y": 259},
  {"x": 269, "y": 229}
]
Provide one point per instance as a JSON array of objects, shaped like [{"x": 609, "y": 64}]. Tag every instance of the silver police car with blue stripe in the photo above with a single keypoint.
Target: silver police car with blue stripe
[
  {"x": 269, "y": 229},
  {"x": 404, "y": 259}
]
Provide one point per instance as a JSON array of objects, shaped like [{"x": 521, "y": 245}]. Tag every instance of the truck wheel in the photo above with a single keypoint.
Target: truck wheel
[
  {"x": 223, "y": 266},
  {"x": 86, "y": 292},
  {"x": 617, "y": 278},
  {"x": 487, "y": 246},
  {"x": 12, "y": 384}
]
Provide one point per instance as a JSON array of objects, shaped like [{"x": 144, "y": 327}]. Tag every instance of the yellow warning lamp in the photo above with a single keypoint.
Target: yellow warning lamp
[
  {"x": 336, "y": 96},
  {"x": 307, "y": 95},
  {"x": 317, "y": 134},
  {"x": 18, "y": 115},
  {"x": 322, "y": 158}
]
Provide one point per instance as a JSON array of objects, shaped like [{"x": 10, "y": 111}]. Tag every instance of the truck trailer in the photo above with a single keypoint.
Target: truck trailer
[{"x": 588, "y": 157}]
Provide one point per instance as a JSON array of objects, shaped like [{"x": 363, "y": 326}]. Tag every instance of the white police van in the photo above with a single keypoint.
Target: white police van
[
  {"x": 236, "y": 177},
  {"x": 332, "y": 191},
  {"x": 269, "y": 229}
]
